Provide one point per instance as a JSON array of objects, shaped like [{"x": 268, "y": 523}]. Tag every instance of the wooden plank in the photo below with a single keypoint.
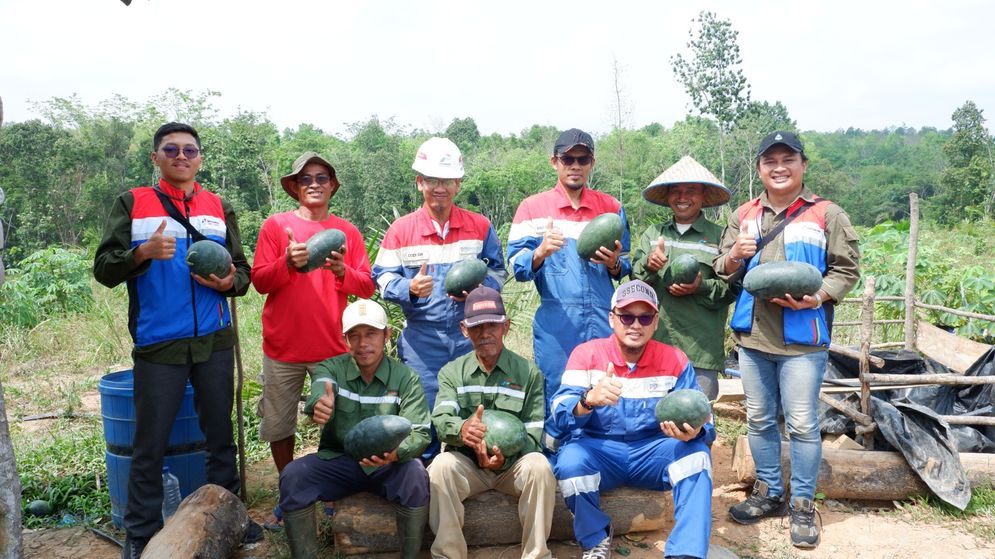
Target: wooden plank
[
  {"x": 731, "y": 389},
  {"x": 864, "y": 474},
  {"x": 364, "y": 523},
  {"x": 954, "y": 352}
]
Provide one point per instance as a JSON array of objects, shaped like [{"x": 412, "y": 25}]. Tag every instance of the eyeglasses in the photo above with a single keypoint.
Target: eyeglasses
[
  {"x": 569, "y": 160},
  {"x": 172, "y": 151},
  {"x": 433, "y": 182},
  {"x": 628, "y": 319},
  {"x": 306, "y": 180}
]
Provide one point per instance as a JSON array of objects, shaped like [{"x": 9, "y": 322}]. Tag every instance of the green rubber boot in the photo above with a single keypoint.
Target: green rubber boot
[
  {"x": 302, "y": 535},
  {"x": 410, "y": 529}
]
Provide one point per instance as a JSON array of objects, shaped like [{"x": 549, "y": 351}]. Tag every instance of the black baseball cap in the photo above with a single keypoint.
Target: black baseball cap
[
  {"x": 572, "y": 138},
  {"x": 789, "y": 139},
  {"x": 483, "y": 305}
]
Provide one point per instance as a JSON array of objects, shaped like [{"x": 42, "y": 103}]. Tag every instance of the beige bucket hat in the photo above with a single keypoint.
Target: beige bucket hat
[
  {"x": 687, "y": 171},
  {"x": 289, "y": 182}
]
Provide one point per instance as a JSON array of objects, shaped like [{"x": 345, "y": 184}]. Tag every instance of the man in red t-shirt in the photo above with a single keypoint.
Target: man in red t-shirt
[{"x": 302, "y": 317}]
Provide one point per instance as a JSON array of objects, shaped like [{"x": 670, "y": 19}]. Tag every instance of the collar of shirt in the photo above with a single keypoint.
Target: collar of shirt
[
  {"x": 805, "y": 194},
  {"x": 472, "y": 366},
  {"x": 428, "y": 226},
  {"x": 177, "y": 193},
  {"x": 382, "y": 373},
  {"x": 563, "y": 201},
  {"x": 698, "y": 225}
]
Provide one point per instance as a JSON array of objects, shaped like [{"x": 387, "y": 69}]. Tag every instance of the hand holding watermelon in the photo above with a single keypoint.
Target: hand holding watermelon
[
  {"x": 377, "y": 462},
  {"x": 492, "y": 461},
  {"x": 473, "y": 429},
  {"x": 324, "y": 407}
]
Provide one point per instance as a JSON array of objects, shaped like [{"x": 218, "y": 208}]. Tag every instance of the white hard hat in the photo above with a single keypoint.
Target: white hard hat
[{"x": 439, "y": 158}]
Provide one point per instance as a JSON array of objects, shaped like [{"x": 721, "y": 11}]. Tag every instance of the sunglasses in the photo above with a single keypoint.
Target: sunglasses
[
  {"x": 172, "y": 151},
  {"x": 306, "y": 180},
  {"x": 628, "y": 319},
  {"x": 433, "y": 182},
  {"x": 569, "y": 160}
]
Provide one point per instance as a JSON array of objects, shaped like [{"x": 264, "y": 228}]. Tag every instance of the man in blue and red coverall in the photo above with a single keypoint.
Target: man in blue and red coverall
[
  {"x": 180, "y": 323},
  {"x": 417, "y": 251},
  {"x": 542, "y": 247},
  {"x": 609, "y": 392}
]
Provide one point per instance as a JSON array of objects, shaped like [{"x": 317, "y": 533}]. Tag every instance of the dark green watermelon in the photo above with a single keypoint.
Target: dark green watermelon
[
  {"x": 208, "y": 257},
  {"x": 601, "y": 231},
  {"x": 39, "y": 508},
  {"x": 376, "y": 435},
  {"x": 465, "y": 275},
  {"x": 504, "y": 431},
  {"x": 320, "y": 246},
  {"x": 684, "y": 269},
  {"x": 684, "y": 406},
  {"x": 774, "y": 279}
]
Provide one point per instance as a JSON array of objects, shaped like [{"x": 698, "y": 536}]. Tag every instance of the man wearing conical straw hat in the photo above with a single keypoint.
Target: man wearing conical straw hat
[{"x": 692, "y": 315}]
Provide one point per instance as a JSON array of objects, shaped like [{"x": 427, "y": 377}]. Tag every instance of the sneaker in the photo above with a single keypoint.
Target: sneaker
[
  {"x": 253, "y": 532},
  {"x": 758, "y": 505},
  {"x": 804, "y": 532},
  {"x": 133, "y": 547},
  {"x": 601, "y": 551}
]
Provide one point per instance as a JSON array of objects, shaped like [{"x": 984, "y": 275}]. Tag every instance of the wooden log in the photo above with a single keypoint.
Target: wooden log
[
  {"x": 210, "y": 522},
  {"x": 853, "y": 354},
  {"x": 945, "y": 379},
  {"x": 954, "y": 352},
  {"x": 364, "y": 523},
  {"x": 864, "y": 474}
]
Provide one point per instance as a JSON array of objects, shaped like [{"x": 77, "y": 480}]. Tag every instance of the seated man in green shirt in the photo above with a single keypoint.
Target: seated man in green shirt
[
  {"x": 490, "y": 377},
  {"x": 347, "y": 389}
]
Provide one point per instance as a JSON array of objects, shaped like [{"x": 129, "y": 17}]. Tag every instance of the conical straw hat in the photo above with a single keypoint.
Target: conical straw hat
[{"x": 687, "y": 171}]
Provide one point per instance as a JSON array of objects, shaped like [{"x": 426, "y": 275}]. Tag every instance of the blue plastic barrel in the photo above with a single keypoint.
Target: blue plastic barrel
[{"x": 185, "y": 454}]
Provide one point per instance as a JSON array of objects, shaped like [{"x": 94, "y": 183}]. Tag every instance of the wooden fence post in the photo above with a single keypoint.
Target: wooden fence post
[
  {"x": 866, "y": 335},
  {"x": 910, "y": 272}
]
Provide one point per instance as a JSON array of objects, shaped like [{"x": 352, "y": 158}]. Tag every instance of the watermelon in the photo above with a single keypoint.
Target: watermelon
[
  {"x": 465, "y": 275},
  {"x": 376, "y": 435},
  {"x": 684, "y": 269},
  {"x": 39, "y": 508},
  {"x": 504, "y": 431},
  {"x": 320, "y": 246},
  {"x": 208, "y": 257},
  {"x": 774, "y": 279},
  {"x": 684, "y": 406},
  {"x": 601, "y": 231}
]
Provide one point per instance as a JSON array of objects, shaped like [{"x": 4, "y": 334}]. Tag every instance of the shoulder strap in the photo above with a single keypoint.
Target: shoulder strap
[{"x": 174, "y": 213}]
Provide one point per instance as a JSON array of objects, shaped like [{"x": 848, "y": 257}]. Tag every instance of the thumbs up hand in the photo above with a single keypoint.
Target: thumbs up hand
[
  {"x": 658, "y": 258},
  {"x": 607, "y": 391},
  {"x": 421, "y": 284},
  {"x": 473, "y": 429},
  {"x": 552, "y": 240},
  {"x": 324, "y": 407},
  {"x": 158, "y": 247},
  {"x": 296, "y": 252}
]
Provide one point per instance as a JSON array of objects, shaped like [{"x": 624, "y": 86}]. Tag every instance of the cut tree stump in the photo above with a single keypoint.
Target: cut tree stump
[
  {"x": 364, "y": 523},
  {"x": 210, "y": 522},
  {"x": 864, "y": 474}
]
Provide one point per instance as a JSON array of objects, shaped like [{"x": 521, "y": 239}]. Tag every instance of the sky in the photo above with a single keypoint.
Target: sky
[{"x": 865, "y": 64}]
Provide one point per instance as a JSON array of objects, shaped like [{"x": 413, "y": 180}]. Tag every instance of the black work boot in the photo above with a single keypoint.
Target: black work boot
[
  {"x": 758, "y": 505},
  {"x": 302, "y": 534},
  {"x": 804, "y": 532},
  {"x": 410, "y": 529},
  {"x": 133, "y": 547}
]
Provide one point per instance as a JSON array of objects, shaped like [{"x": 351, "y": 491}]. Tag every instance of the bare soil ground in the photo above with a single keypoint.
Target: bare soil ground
[{"x": 850, "y": 530}]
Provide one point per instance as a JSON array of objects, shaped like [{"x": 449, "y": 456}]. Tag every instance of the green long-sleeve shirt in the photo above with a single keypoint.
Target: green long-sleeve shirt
[
  {"x": 394, "y": 390},
  {"x": 114, "y": 263},
  {"x": 515, "y": 386},
  {"x": 694, "y": 323}
]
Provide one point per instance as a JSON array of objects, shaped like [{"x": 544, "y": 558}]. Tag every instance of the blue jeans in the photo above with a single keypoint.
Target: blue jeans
[{"x": 788, "y": 383}]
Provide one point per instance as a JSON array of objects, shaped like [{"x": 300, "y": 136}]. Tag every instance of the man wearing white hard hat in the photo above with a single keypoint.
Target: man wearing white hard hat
[
  {"x": 345, "y": 390},
  {"x": 417, "y": 252},
  {"x": 693, "y": 313}
]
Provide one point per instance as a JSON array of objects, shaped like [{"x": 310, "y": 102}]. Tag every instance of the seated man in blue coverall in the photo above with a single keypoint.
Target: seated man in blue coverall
[{"x": 609, "y": 391}]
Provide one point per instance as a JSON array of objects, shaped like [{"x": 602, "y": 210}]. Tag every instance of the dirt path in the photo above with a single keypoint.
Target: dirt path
[{"x": 850, "y": 531}]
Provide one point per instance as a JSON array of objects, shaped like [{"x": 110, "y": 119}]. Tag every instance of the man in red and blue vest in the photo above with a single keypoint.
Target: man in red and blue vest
[
  {"x": 180, "y": 322},
  {"x": 542, "y": 247},
  {"x": 783, "y": 341}
]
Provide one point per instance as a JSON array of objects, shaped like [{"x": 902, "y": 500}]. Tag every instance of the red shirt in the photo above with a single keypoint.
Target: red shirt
[{"x": 302, "y": 317}]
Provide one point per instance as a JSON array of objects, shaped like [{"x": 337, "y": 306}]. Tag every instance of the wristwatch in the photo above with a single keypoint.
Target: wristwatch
[
  {"x": 583, "y": 401},
  {"x": 818, "y": 299}
]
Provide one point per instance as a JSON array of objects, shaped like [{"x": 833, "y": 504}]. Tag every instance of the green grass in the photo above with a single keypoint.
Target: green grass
[{"x": 978, "y": 518}]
